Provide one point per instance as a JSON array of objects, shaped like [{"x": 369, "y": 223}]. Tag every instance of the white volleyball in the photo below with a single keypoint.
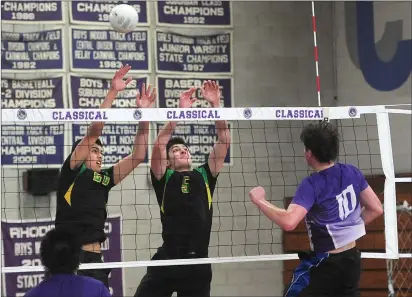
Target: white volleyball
[{"x": 123, "y": 18}]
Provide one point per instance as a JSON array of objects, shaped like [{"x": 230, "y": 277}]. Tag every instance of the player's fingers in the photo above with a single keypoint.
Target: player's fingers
[
  {"x": 138, "y": 95},
  {"x": 148, "y": 90},
  {"x": 154, "y": 94},
  {"x": 193, "y": 100},
  {"x": 128, "y": 80},
  {"x": 143, "y": 89}
]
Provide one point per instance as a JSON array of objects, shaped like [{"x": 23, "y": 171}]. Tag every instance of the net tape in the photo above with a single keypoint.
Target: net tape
[
  {"x": 192, "y": 114},
  {"x": 201, "y": 114}
]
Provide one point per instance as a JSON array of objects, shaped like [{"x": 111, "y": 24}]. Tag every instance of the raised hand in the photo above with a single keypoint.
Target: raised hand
[
  {"x": 211, "y": 93},
  {"x": 257, "y": 194},
  {"x": 186, "y": 99},
  {"x": 146, "y": 98},
  {"x": 118, "y": 84}
]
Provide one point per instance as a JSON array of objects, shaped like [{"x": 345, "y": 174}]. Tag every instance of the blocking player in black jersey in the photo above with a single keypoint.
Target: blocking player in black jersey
[
  {"x": 84, "y": 186},
  {"x": 185, "y": 200}
]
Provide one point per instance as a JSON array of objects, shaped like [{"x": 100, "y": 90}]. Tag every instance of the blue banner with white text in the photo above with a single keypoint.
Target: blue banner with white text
[
  {"x": 88, "y": 92},
  {"x": 34, "y": 145},
  {"x": 21, "y": 242},
  {"x": 187, "y": 54},
  {"x": 170, "y": 88},
  {"x": 32, "y": 52},
  {"x": 194, "y": 13},
  {"x": 106, "y": 50},
  {"x": 26, "y": 12},
  {"x": 37, "y": 144},
  {"x": 97, "y": 12}
]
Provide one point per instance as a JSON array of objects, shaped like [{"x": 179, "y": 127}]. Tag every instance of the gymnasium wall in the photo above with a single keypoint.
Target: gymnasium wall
[{"x": 273, "y": 66}]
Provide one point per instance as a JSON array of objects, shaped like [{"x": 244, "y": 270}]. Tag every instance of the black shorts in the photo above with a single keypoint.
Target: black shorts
[
  {"x": 326, "y": 275},
  {"x": 185, "y": 280},
  {"x": 99, "y": 274}
]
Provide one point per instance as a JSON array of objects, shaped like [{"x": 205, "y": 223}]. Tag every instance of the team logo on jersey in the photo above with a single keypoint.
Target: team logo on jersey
[
  {"x": 185, "y": 184},
  {"x": 98, "y": 178}
]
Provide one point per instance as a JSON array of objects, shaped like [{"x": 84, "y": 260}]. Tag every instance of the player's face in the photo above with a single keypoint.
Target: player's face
[
  {"x": 94, "y": 161},
  {"x": 179, "y": 157}
]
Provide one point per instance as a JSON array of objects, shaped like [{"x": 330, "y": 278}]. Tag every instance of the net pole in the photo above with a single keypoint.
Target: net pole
[
  {"x": 316, "y": 53},
  {"x": 390, "y": 214}
]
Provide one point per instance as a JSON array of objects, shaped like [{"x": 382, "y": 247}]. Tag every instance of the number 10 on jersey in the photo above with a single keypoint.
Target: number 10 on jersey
[{"x": 346, "y": 207}]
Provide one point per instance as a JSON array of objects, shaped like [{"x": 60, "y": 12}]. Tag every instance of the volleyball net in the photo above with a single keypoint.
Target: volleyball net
[{"x": 265, "y": 151}]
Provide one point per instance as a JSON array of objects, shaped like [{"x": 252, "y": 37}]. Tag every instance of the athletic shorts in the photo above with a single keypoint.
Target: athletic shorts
[
  {"x": 185, "y": 280},
  {"x": 326, "y": 275},
  {"x": 99, "y": 274}
]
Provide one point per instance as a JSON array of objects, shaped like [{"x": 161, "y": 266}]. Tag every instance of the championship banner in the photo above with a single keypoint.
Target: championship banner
[
  {"x": 117, "y": 139},
  {"x": 88, "y": 92},
  {"x": 194, "y": 13},
  {"x": 97, "y": 12},
  {"x": 170, "y": 88},
  {"x": 30, "y": 12},
  {"x": 201, "y": 54},
  {"x": 32, "y": 52},
  {"x": 106, "y": 50},
  {"x": 21, "y": 247},
  {"x": 34, "y": 145},
  {"x": 33, "y": 93}
]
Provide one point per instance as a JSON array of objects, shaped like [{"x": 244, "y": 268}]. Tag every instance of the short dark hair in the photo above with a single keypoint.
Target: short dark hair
[
  {"x": 173, "y": 141},
  {"x": 322, "y": 139},
  {"x": 98, "y": 142},
  {"x": 60, "y": 251}
]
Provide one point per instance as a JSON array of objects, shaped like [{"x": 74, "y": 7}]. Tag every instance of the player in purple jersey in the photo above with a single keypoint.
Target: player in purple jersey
[
  {"x": 60, "y": 255},
  {"x": 337, "y": 203}
]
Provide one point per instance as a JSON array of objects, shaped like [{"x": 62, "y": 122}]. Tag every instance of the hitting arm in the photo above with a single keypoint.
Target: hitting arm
[
  {"x": 125, "y": 166},
  {"x": 211, "y": 93},
  {"x": 159, "y": 155},
  {"x": 95, "y": 129}
]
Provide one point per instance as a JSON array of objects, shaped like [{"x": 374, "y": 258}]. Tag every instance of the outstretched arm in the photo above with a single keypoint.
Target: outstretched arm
[
  {"x": 211, "y": 93},
  {"x": 123, "y": 168},
  {"x": 159, "y": 158},
  {"x": 81, "y": 151},
  {"x": 159, "y": 155},
  {"x": 287, "y": 219}
]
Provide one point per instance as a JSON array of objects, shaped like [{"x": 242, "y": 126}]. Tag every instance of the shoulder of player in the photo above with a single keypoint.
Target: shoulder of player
[{"x": 90, "y": 281}]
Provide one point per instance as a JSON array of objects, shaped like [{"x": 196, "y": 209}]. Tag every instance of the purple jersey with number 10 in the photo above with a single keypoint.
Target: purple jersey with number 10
[{"x": 332, "y": 200}]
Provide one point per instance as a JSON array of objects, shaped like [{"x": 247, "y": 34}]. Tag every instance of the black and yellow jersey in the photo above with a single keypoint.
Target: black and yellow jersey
[
  {"x": 186, "y": 211},
  {"x": 81, "y": 201}
]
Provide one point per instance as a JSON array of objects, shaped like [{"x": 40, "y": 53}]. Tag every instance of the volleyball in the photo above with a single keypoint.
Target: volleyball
[{"x": 123, "y": 18}]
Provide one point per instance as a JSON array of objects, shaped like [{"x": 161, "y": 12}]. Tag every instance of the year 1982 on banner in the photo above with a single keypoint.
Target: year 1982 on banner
[{"x": 40, "y": 51}]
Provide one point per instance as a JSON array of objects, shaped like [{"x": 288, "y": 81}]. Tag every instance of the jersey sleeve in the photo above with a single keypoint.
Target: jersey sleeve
[
  {"x": 305, "y": 195},
  {"x": 363, "y": 184},
  {"x": 109, "y": 172},
  {"x": 211, "y": 180}
]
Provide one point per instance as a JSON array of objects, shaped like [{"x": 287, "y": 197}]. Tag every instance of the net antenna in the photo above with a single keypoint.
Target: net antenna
[
  {"x": 316, "y": 53},
  {"x": 316, "y": 56}
]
